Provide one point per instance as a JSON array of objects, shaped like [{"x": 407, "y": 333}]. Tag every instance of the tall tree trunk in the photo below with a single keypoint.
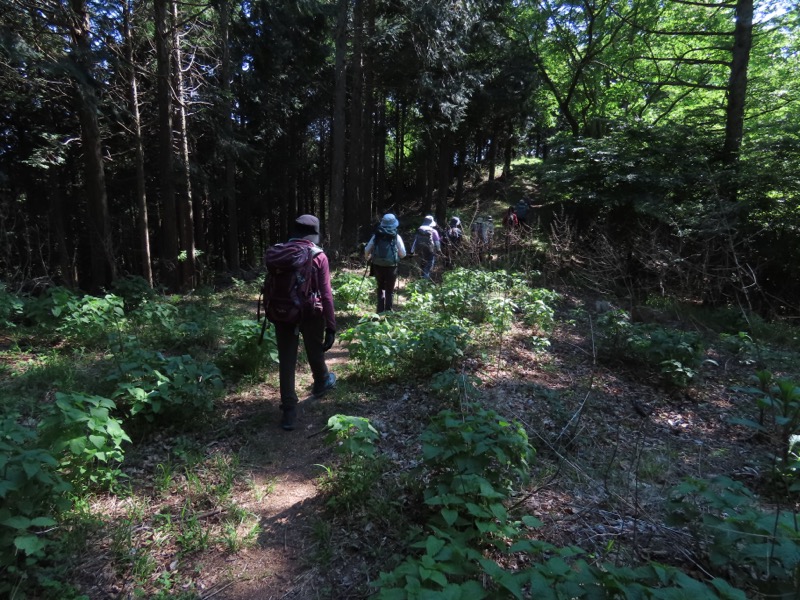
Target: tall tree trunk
[
  {"x": 355, "y": 202},
  {"x": 400, "y": 142},
  {"x": 322, "y": 177},
  {"x": 232, "y": 245},
  {"x": 429, "y": 176},
  {"x": 509, "y": 152},
  {"x": 142, "y": 226},
  {"x": 380, "y": 149},
  {"x": 168, "y": 234},
  {"x": 492, "y": 156},
  {"x": 338, "y": 130},
  {"x": 185, "y": 213},
  {"x": 368, "y": 124},
  {"x": 102, "y": 253},
  {"x": 462, "y": 170},
  {"x": 445, "y": 162},
  {"x": 56, "y": 220},
  {"x": 737, "y": 94}
]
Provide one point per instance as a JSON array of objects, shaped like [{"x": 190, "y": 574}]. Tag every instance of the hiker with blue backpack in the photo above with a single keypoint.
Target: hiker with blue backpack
[
  {"x": 427, "y": 244},
  {"x": 298, "y": 300},
  {"x": 384, "y": 251}
]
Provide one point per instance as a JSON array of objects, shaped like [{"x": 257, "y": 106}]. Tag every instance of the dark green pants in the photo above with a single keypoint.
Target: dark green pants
[{"x": 288, "y": 338}]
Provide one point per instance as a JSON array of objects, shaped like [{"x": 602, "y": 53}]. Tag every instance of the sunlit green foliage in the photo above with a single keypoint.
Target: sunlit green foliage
[
  {"x": 246, "y": 352},
  {"x": 152, "y": 384},
  {"x": 86, "y": 438}
]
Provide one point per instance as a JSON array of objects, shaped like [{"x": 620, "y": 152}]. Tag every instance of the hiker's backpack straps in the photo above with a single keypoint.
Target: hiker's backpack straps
[
  {"x": 424, "y": 240},
  {"x": 384, "y": 251},
  {"x": 289, "y": 289}
]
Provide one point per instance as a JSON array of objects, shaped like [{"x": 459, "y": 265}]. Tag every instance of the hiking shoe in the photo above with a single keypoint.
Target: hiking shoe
[
  {"x": 289, "y": 419},
  {"x": 329, "y": 383}
]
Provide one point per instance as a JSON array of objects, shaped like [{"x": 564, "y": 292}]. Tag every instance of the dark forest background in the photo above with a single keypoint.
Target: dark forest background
[{"x": 174, "y": 140}]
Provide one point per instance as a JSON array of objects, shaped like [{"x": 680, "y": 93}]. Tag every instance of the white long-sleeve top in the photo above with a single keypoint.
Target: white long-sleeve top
[{"x": 401, "y": 247}]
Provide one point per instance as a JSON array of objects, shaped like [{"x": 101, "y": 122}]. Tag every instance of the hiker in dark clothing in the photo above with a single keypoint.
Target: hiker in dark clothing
[
  {"x": 451, "y": 241},
  {"x": 384, "y": 251},
  {"x": 318, "y": 329}
]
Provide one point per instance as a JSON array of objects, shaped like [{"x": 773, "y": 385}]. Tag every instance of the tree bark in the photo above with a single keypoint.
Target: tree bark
[
  {"x": 737, "y": 94},
  {"x": 380, "y": 148},
  {"x": 103, "y": 265},
  {"x": 445, "y": 162},
  {"x": 509, "y": 152},
  {"x": 354, "y": 200},
  {"x": 184, "y": 202},
  {"x": 146, "y": 266},
  {"x": 368, "y": 124},
  {"x": 461, "y": 172},
  {"x": 338, "y": 131},
  {"x": 168, "y": 235},
  {"x": 232, "y": 239}
]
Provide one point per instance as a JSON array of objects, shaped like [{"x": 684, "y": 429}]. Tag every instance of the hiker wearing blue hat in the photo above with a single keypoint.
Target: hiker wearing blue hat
[{"x": 384, "y": 251}]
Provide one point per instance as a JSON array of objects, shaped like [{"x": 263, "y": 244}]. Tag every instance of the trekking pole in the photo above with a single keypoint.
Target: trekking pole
[
  {"x": 265, "y": 324},
  {"x": 363, "y": 277}
]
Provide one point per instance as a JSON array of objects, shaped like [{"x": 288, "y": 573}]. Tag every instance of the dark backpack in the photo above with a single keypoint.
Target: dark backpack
[
  {"x": 384, "y": 250},
  {"x": 423, "y": 241},
  {"x": 454, "y": 235},
  {"x": 289, "y": 294}
]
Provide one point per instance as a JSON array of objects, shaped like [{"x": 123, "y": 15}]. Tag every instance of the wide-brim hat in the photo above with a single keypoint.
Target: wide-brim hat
[
  {"x": 389, "y": 220},
  {"x": 307, "y": 227},
  {"x": 428, "y": 221}
]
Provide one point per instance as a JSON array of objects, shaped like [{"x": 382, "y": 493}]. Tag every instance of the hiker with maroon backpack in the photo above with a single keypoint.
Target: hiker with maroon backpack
[
  {"x": 298, "y": 299},
  {"x": 384, "y": 251}
]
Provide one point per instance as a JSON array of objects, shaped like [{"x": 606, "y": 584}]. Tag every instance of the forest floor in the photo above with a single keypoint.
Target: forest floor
[{"x": 611, "y": 442}]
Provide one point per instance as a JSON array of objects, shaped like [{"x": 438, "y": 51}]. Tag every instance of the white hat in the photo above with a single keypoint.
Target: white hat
[{"x": 428, "y": 220}]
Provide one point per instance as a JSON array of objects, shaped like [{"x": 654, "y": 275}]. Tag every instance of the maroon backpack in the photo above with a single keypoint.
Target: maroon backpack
[{"x": 289, "y": 294}]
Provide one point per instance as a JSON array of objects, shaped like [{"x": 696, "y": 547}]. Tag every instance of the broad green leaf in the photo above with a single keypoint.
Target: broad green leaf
[
  {"x": 29, "y": 544},
  {"x": 17, "y": 522}
]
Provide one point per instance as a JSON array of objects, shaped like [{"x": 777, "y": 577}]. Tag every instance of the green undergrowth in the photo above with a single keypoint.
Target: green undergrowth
[
  {"x": 103, "y": 412},
  {"x": 474, "y": 464},
  {"x": 439, "y": 322}
]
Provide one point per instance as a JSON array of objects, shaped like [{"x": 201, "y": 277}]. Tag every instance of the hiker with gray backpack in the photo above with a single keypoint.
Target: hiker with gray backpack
[
  {"x": 384, "y": 251},
  {"x": 298, "y": 299},
  {"x": 427, "y": 244}
]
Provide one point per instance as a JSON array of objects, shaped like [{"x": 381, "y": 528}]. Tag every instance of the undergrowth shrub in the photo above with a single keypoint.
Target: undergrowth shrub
[
  {"x": 778, "y": 402},
  {"x": 404, "y": 344},
  {"x": 134, "y": 290},
  {"x": 473, "y": 463},
  {"x": 749, "y": 546},
  {"x": 154, "y": 320},
  {"x": 676, "y": 354},
  {"x": 11, "y": 308},
  {"x": 32, "y": 492},
  {"x": 81, "y": 320},
  {"x": 246, "y": 353},
  {"x": 350, "y": 484},
  {"x": 86, "y": 438},
  {"x": 455, "y": 387},
  {"x": 151, "y": 384},
  {"x": 352, "y": 291},
  {"x": 438, "y": 322}
]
